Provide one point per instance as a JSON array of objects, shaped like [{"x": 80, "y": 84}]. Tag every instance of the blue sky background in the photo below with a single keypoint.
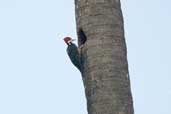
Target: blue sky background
[{"x": 36, "y": 76}]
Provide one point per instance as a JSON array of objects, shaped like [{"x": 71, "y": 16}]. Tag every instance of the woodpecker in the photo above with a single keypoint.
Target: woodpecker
[{"x": 73, "y": 52}]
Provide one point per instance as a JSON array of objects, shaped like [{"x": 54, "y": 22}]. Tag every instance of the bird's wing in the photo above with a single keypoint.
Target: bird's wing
[{"x": 74, "y": 56}]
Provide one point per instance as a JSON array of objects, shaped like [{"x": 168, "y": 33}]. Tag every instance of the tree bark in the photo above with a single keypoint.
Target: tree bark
[{"x": 104, "y": 57}]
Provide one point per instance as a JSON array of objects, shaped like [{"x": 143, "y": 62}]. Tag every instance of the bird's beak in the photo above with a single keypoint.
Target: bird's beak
[{"x": 71, "y": 40}]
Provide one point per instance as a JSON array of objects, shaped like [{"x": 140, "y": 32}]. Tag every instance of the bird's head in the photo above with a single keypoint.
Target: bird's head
[{"x": 68, "y": 40}]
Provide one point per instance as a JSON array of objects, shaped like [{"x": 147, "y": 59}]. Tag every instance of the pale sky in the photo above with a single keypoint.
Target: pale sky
[{"x": 37, "y": 77}]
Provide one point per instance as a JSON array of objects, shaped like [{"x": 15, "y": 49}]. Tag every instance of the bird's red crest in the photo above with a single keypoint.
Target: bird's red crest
[{"x": 66, "y": 39}]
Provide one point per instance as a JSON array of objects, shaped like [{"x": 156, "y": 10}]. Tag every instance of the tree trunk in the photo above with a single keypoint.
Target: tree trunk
[{"x": 104, "y": 57}]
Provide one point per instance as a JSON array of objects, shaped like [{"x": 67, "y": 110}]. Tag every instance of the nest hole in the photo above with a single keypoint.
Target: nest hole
[{"x": 82, "y": 38}]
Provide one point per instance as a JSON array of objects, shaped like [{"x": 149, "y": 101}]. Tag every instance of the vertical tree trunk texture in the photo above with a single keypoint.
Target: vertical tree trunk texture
[{"x": 104, "y": 57}]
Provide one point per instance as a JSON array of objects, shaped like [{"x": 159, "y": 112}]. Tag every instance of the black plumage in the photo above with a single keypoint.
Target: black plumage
[{"x": 74, "y": 56}]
